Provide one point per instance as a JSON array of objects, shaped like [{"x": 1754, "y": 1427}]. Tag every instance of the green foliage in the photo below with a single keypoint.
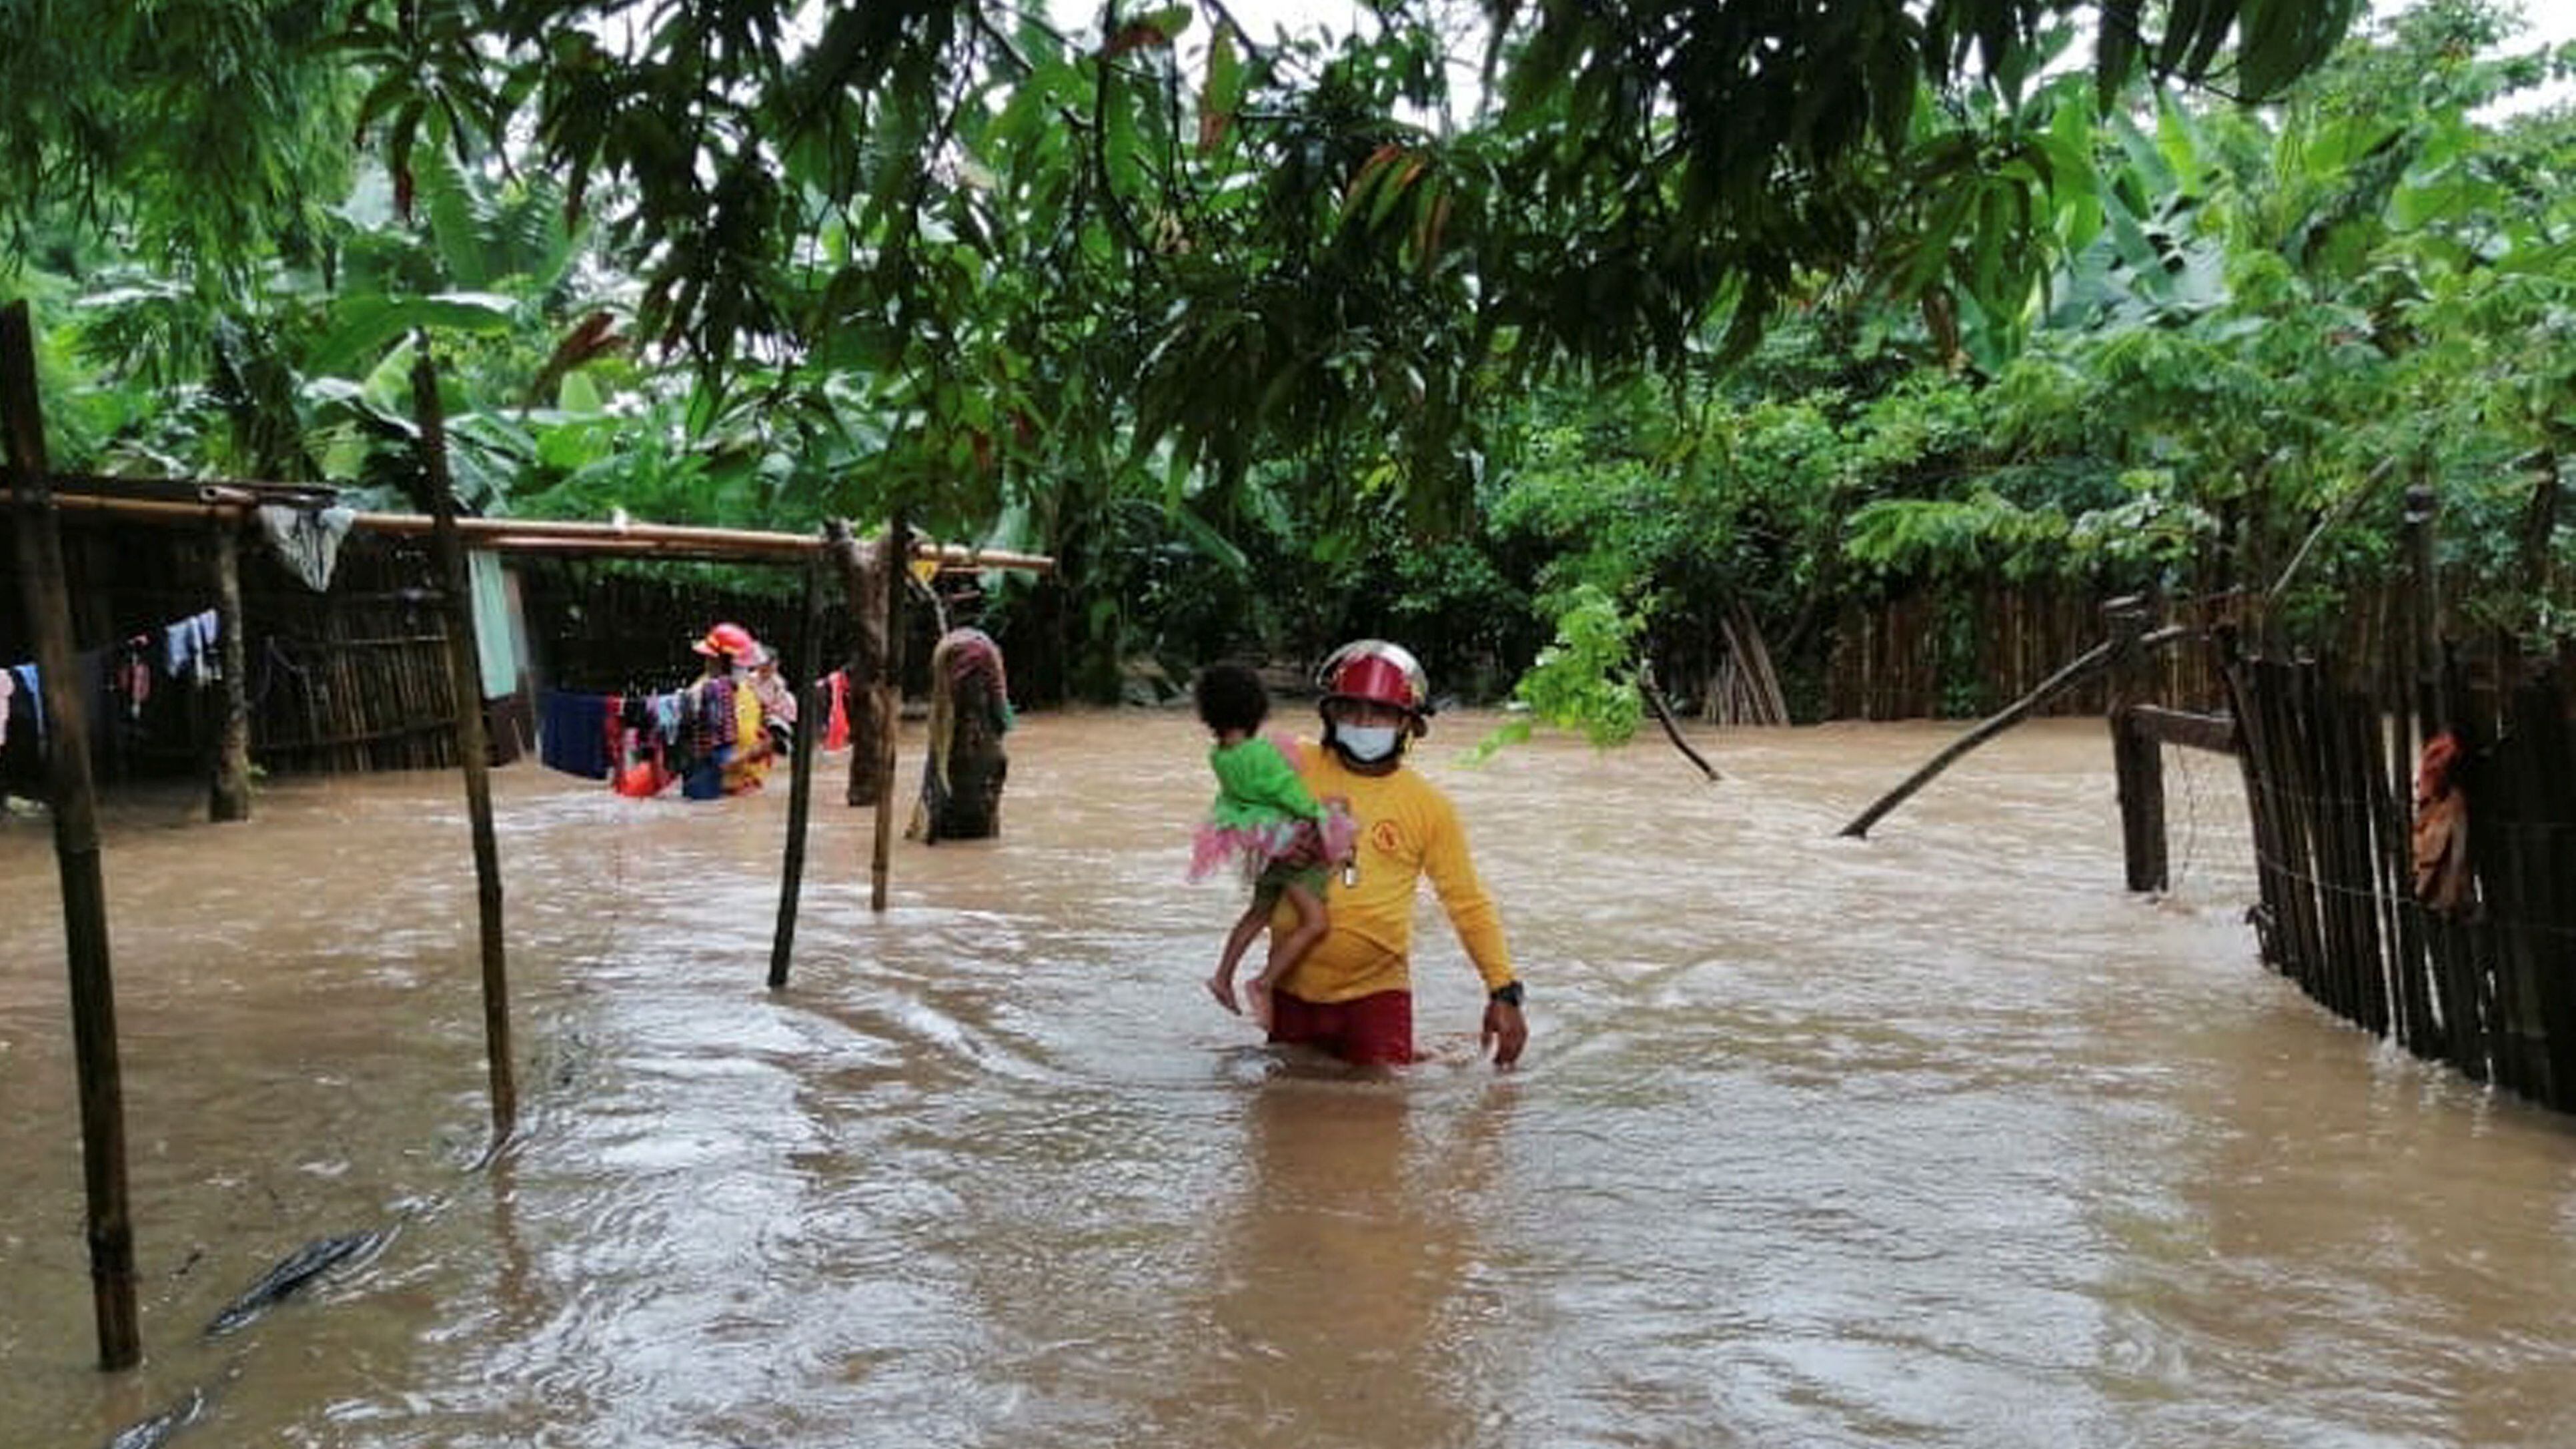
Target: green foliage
[
  {"x": 1703, "y": 308},
  {"x": 1928, "y": 537},
  {"x": 202, "y": 134},
  {"x": 1585, "y": 681}
]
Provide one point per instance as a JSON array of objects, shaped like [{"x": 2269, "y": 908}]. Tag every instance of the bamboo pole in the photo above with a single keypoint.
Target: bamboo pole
[
  {"x": 890, "y": 690},
  {"x": 2349, "y": 946},
  {"x": 2390, "y": 843},
  {"x": 2019, "y": 710},
  {"x": 76, "y": 851},
  {"x": 465, "y": 678},
  {"x": 564, "y": 536},
  {"x": 2422, "y": 508},
  {"x": 228, "y": 797},
  {"x": 800, "y": 790},
  {"x": 2253, "y": 758},
  {"x": 534, "y": 534}
]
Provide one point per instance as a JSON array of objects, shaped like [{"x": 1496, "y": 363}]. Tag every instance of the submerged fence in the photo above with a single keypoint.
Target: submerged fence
[
  {"x": 2487, "y": 983},
  {"x": 1967, "y": 650}
]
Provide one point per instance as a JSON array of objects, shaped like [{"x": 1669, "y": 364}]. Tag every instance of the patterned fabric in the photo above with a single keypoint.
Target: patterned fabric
[
  {"x": 963, "y": 658},
  {"x": 707, "y": 715}
]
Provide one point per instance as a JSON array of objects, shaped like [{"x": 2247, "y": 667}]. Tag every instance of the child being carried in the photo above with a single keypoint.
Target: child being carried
[{"x": 1285, "y": 841}]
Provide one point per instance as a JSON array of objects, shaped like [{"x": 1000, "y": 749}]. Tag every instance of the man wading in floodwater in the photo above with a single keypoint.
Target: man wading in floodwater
[{"x": 1352, "y": 994}]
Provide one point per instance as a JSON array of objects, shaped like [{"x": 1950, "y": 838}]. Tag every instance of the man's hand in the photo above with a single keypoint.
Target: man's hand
[{"x": 1506, "y": 1032}]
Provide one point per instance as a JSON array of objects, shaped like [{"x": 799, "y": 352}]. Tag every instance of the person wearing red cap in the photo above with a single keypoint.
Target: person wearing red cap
[
  {"x": 1352, "y": 993},
  {"x": 724, "y": 721},
  {"x": 727, "y": 644}
]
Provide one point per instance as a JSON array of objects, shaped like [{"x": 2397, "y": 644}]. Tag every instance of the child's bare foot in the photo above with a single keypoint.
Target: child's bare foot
[
  {"x": 1223, "y": 991},
  {"x": 1257, "y": 993}
]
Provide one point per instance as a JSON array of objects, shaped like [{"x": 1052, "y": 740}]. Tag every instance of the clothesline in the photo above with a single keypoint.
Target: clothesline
[{"x": 185, "y": 651}]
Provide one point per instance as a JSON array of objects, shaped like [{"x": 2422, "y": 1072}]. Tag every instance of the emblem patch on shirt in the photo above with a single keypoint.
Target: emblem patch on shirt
[{"x": 1385, "y": 838}]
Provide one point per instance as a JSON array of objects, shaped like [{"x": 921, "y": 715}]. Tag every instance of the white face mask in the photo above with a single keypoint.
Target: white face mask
[{"x": 1367, "y": 744}]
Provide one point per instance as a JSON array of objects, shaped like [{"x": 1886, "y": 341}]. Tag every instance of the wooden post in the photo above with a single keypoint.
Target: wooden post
[
  {"x": 229, "y": 796},
  {"x": 898, "y": 557},
  {"x": 2137, "y": 760},
  {"x": 2421, "y": 510},
  {"x": 76, "y": 853},
  {"x": 866, "y": 662},
  {"x": 465, "y": 680},
  {"x": 811, "y": 721}
]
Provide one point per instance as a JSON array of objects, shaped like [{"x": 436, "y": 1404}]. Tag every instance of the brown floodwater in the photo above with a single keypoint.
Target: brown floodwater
[{"x": 1938, "y": 1138}]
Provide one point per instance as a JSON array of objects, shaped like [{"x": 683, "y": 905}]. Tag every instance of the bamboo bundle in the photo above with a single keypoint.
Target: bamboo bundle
[{"x": 1743, "y": 688}]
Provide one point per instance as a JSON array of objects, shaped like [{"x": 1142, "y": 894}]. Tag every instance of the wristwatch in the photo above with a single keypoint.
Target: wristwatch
[{"x": 1509, "y": 994}]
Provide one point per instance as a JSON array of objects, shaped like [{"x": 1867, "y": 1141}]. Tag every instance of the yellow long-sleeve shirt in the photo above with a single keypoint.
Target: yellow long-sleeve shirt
[{"x": 1407, "y": 830}]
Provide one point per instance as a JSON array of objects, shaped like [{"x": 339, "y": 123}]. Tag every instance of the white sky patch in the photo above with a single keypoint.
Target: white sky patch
[{"x": 2549, "y": 23}]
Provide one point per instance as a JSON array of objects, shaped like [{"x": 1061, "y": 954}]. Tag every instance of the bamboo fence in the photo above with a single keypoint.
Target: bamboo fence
[
  {"x": 2328, "y": 761},
  {"x": 1966, "y": 650}
]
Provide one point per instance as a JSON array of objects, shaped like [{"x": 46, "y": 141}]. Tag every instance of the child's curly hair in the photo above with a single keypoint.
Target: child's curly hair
[{"x": 1231, "y": 697}]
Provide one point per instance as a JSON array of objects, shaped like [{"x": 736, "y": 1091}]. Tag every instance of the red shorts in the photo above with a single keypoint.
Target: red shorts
[{"x": 1373, "y": 1030}]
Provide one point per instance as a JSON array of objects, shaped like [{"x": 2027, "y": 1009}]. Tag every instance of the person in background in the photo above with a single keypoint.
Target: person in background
[
  {"x": 1264, "y": 823},
  {"x": 720, "y": 731},
  {"x": 970, "y": 712},
  {"x": 1352, "y": 994},
  {"x": 777, "y": 703}
]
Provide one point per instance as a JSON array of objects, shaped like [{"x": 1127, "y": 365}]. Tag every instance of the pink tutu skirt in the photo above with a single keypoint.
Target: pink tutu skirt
[{"x": 1252, "y": 849}]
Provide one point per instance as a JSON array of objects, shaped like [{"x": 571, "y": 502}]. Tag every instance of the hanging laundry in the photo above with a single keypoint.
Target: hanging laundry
[
  {"x": 495, "y": 637},
  {"x": 210, "y": 659},
  {"x": 307, "y": 541},
  {"x": 32, "y": 695},
  {"x": 643, "y": 768},
  {"x": 572, "y": 733},
  {"x": 711, "y": 726},
  {"x": 131, "y": 676},
  {"x": 836, "y": 728},
  {"x": 188, "y": 649}
]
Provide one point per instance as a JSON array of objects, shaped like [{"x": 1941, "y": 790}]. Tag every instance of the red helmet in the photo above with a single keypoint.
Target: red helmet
[
  {"x": 731, "y": 640},
  {"x": 1379, "y": 673}
]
